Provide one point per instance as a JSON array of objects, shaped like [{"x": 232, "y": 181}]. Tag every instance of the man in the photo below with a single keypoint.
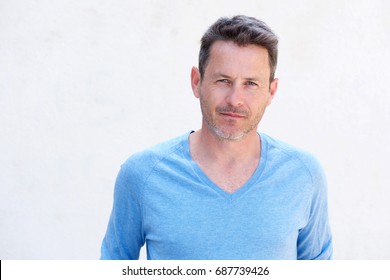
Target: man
[{"x": 224, "y": 191}]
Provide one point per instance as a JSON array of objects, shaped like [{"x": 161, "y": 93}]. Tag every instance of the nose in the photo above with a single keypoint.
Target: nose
[{"x": 235, "y": 96}]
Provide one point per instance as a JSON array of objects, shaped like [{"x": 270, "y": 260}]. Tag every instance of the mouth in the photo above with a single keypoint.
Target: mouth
[{"x": 232, "y": 115}]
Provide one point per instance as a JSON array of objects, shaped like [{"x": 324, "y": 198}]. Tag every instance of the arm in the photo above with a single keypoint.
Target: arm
[
  {"x": 315, "y": 239},
  {"x": 124, "y": 236}
]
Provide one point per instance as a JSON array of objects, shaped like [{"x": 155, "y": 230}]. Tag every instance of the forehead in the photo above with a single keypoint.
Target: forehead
[{"x": 226, "y": 55}]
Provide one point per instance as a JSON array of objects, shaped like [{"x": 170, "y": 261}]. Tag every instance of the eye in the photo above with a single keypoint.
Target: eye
[
  {"x": 251, "y": 84},
  {"x": 223, "y": 81}
]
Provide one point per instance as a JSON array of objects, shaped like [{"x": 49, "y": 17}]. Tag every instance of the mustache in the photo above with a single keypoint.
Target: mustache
[{"x": 232, "y": 109}]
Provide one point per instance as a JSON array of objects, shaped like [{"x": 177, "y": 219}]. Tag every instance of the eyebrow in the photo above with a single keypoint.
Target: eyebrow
[
  {"x": 221, "y": 75},
  {"x": 254, "y": 78}
]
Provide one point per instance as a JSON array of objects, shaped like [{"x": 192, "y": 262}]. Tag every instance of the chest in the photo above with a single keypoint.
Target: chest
[
  {"x": 198, "y": 223},
  {"x": 230, "y": 178}
]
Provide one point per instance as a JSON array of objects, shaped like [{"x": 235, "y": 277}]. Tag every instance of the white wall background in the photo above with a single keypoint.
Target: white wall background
[{"x": 85, "y": 83}]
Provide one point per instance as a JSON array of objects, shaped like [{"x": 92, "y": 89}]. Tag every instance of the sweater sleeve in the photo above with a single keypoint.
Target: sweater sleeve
[
  {"x": 315, "y": 239},
  {"x": 124, "y": 237}
]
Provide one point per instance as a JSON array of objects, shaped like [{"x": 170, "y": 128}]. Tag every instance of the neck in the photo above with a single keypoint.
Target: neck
[{"x": 205, "y": 146}]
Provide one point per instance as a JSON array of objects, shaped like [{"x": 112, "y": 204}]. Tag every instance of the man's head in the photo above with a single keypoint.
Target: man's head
[
  {"x": 243, "y": 31},
  {"x": 235, "y": 80}
]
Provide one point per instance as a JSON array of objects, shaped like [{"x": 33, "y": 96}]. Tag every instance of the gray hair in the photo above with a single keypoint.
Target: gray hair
[{"x": 241, "y": 30}]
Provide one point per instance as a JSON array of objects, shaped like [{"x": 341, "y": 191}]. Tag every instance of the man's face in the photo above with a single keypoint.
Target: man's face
[{"x": 235, "y": 89}]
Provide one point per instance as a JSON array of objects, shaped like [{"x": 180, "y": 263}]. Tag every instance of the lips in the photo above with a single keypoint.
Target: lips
[
  {"x": 232, "y": 115},
  {"x": 232, "y": 112}
]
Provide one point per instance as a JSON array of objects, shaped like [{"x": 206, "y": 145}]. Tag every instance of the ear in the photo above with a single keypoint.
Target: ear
[
  {"x": 195, "y": 81},
  {"x": 272, "y": 90}
]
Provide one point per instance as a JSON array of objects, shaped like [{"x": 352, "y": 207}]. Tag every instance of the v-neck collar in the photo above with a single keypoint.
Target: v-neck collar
[{"x": 207, "y": 181}]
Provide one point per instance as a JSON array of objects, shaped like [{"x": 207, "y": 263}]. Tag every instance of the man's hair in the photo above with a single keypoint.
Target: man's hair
[{"x": 243, "y": 31}]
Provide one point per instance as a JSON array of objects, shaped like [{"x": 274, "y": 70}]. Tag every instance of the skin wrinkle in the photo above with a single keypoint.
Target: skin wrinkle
[
  {"x": 240, "y": 90},
  {"x": 233, "y": 94}
]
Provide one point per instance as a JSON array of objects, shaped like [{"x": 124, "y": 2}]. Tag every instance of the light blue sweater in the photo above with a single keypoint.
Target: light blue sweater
[{"x": 163, "y": 198}]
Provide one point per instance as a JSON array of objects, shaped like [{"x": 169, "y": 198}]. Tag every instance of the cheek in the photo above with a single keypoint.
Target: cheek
[
  {"x": 264, "y": 99},
  {"x": 208, "y": 99},
  {"x": 204, "y": 104},
  {"x": 261, "y": 104}
]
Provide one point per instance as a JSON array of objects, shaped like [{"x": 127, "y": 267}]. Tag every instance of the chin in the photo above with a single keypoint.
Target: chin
[{"x": 229, "y": 135}]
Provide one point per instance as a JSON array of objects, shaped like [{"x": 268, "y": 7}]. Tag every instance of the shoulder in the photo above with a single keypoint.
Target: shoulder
[
  {"x": 142, "y": 162},
  {"x": 298, "y": 161},
  {"x": 282, "y": 149}
]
